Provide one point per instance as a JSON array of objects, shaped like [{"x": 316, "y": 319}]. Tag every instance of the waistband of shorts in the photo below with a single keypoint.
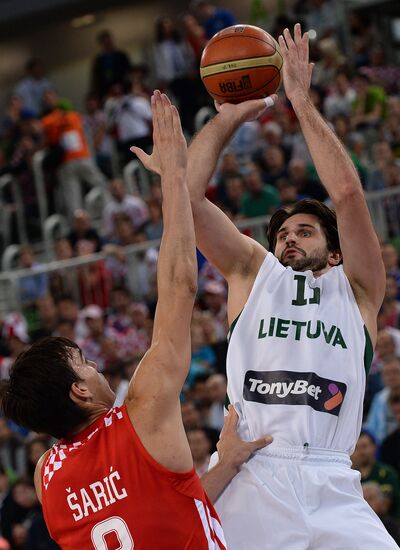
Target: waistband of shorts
[{"x": 306, "y": 454}]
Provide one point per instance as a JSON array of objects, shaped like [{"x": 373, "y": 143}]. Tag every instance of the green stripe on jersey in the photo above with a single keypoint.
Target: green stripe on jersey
[
  {"x": 368, "y": 351},
  {"x": 233, "y": 325},
  {"x": 227, "y": 400}
]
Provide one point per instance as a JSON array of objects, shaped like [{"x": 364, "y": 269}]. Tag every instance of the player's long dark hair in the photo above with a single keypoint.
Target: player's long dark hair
[
  {"x": 326, "y": 215},
  {"x": 36, "y": 395}
]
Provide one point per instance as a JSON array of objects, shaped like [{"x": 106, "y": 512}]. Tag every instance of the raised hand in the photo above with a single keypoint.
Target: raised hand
[
  {"x": 297, "y": 69},
  {"x": 169, "y": 144}
]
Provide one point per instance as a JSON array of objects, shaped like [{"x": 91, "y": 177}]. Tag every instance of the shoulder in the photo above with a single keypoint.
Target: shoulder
[{"x": 38, "y": 474}]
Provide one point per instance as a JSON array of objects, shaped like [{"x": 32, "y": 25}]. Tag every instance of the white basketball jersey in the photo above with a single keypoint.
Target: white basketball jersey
[{"x": 297, "y": 359}]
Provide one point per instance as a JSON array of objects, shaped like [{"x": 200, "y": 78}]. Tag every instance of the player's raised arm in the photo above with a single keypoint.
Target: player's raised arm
[
  {"x": 216, "y": 236},
  {"x": 361, "y": 253},
  {"x": 153, "y": 396}
]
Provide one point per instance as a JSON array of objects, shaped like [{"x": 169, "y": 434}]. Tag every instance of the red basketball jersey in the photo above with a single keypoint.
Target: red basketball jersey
[{"x": 102, "y": 490}]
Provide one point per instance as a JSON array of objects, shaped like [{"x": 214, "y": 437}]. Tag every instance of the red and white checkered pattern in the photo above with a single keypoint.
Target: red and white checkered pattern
[{"x": 60, "y": 451}]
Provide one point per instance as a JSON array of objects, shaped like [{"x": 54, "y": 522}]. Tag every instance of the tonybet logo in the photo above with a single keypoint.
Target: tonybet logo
[{"x": 294, "y": 388}]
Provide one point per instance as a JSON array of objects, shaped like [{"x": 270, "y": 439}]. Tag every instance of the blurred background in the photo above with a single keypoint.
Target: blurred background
[{"x": 81, "y": 219}]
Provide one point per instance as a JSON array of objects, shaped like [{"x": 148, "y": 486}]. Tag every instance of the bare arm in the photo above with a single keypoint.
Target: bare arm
[
  {"x": 216, "y": 236},
  {"x": 153, "y": 395},
  {"x": 362, "y": 260}
]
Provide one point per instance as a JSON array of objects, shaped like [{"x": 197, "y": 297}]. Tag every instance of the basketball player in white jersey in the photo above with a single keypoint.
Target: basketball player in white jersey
[{"x": 303, "y": 326}]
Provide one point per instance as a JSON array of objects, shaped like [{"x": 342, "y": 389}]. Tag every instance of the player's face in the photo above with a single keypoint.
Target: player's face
[
  {"x": 95, "y": 382},
  {"x": 301, "y": 244}
]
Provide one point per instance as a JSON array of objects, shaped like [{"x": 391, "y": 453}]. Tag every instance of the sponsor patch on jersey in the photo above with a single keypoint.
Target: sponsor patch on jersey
[{"x": 294, "y": 388}]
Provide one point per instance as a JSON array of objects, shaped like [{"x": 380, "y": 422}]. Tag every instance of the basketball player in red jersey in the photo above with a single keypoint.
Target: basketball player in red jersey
[{"x": 123, "y": 477}]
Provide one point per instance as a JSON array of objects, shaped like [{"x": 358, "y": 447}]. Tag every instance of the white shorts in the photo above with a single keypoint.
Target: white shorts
[{"x": 292, "y": 499}]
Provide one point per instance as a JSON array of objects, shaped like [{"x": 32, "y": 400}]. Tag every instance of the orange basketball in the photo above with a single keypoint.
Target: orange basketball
[{"x": 241, "y": 62}]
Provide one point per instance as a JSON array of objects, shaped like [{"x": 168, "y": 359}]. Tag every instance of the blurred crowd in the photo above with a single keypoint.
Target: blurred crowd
[{"x": 108, "y": 306}]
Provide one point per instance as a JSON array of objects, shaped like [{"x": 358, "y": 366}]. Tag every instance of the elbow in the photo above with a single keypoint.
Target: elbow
[
  {"x": 351, "y": 191},
  {"x": 183, "y": 282}
]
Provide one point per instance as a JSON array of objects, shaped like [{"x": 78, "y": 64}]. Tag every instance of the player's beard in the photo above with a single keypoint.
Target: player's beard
[{"x": 315, "y": 261}]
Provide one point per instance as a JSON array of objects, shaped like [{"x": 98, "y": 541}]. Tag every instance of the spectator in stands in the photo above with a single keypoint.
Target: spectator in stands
[
  {"x": 101, "y": 344},
  {"x": 195, "y": 35},
  {"x": 48, "y": 318},
  {"x": 331, "y": 59},
  {"x": 119, "y": 318},
  {"x": 304, "y": 184},
  {"x": 380, "y": 73},
  {"x": 383, "y": 158},
  {"x": 390, "y": 449},
  {"x": 9, "y": 125},
  {"x": 32, "y": 88},
  {"x": 273, "y": 165},
  {"x": 369, "y": 106},
  {"x": 288, "y": 194},
  {"x": 212, "y": 18},
  {"x": 121, "y": 203},
  {"x": 246, "y": 142},
  {"x": 82, "y": 230},
  {"x": 65, "y": 329},
  {"x": 258, "y": 199},
  {"x": 110, "y": 67},
  {"x": 231, "y": 197},
  {"x": 32, "y": 286},
  {"x": 94, "y": 279},
  {"x": 273, "y": 137},
  {"x": 68, "y": 311},
  {"x": 375, "y": 497},
  {"x": 191, "y": 416},
  {"x": 200, "y": 445},
  {"x": 214, "y": 298},
  {"x": 63, "y": 281},
  {"x": 380, "y": 421},
  {"x": 18, "y": 510},
  {"x": 63, "y": 131},
  {"x": 16, "y": 338},
  {"x": 364, "y": 460},
  {"x": 153, "y": 228},
  {"x": 141, "y": 322},
  {"x": 340, "y": 98},
  {"x": 391, "y": 126},
  {"x": 175, "y": 69},
  {"x": 392, "y": 306},
  {"x": 132, "y": 118},
  {"x": 322, "y": 17},
  {"x": 390, "y": 259},
  {"x": 12, "y": 451},
  {"x": 216, "y": 389},
  {"x": 96, "y": 131},
  {"x": 35, "y": 448},
  {"x": 202, "y": 352}
]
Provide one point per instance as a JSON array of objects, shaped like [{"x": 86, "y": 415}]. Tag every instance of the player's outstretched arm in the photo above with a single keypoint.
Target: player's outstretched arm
[
  {"x": 216, "y": 236},
  {"x": 153, "y": 395},
  {"x": 361, "y": 253},
  {"x": 232, "y": 453}
]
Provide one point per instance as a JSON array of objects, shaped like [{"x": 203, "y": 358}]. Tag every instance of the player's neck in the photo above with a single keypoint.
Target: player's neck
[{"x": 97, "y": 412}]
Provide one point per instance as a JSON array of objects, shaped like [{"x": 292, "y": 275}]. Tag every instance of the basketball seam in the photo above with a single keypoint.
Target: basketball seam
[
  {"x": 251, "y": 93},
  {"x": 273, "y": 44},
  {"x": 243, "y": 69},
  {"x": 236, "y": 59}
]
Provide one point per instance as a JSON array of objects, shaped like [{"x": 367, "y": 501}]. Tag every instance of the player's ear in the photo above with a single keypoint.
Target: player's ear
[
  {"x": 80, "y": 393},
  {"x": 334, "y": 258}
]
